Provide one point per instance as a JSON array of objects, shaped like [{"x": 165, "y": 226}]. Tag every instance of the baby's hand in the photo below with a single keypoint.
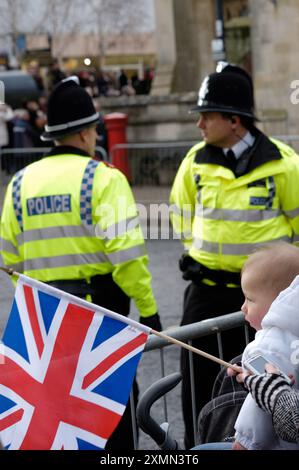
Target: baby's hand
[
  {"x": 232, "y": 372},
  {"x": 239, "y": 373}
]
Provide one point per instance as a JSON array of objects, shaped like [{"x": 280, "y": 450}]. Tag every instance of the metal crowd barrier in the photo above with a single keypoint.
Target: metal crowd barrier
[
  {"x": 156, "y": 164},
  {"x": 152, "y": 164},
  {"x": 14, "y": 159},
  {"x": 186, "y": 334},
  {"x": 290, "y": 140}
]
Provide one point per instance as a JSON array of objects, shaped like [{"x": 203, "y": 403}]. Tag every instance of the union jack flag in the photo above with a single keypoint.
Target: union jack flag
[{"x": 66, "y": 370}]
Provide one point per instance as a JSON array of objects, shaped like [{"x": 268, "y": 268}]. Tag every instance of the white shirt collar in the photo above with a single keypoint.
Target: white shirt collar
[{"x": 243, "y": 144}]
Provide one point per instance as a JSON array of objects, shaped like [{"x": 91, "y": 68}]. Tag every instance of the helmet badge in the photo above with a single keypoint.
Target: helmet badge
[{"x": 203, "y": 91}]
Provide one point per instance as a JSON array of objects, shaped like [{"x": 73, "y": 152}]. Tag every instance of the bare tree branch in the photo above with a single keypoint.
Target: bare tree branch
[
  {"x": 61, "y": 19},
  {"x": 115, "y": 16},
  {"x": 64, "y": 18}
]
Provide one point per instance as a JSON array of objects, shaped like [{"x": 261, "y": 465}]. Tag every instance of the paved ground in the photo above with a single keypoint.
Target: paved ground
[{"x": 168, "y": 287}]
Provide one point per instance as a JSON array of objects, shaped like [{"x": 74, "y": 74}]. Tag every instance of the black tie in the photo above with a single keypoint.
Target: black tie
[{"x": 231, "y": 158}]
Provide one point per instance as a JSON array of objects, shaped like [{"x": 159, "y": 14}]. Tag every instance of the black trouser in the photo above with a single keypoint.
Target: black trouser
[
  {"x": 200, "y": 303},
  {"x": 107, "y": 294}
]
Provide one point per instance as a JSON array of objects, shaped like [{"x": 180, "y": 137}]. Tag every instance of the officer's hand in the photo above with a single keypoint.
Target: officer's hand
[{"x": 152, "y": 322}]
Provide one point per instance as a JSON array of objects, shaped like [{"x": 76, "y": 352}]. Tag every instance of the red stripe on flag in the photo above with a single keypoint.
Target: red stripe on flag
[
  {"x": 52, "y": 399},
  {"x": 11, "y": 419},
  {"x": 33, "y": 318},
  {"x": 97, "y": 419},
  {"x": 112, "y": 359}
]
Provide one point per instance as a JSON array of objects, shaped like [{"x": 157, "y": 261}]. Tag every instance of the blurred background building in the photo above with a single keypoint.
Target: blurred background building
[
  {"x": 259, "y": 35},
  {"x": 172, "y": 44}
]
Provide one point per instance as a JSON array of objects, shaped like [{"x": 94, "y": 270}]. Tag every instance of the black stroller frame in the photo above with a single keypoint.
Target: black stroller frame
[{"x": 227, "y": 398}]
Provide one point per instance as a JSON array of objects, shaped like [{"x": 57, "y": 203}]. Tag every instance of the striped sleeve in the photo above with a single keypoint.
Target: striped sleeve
[
  {"x": 286, "y": 416},
  {"x": 266, "y": 388}
]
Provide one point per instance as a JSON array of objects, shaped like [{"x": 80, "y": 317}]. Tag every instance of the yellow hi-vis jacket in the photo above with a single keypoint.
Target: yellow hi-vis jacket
[
  {"x": 70, "y": 217},
  {"x": 222, "y": 218}
]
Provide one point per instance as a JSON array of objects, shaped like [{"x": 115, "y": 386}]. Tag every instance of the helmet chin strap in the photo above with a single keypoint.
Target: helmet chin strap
[
  {"x": 243, "y": 139},
  {"x": 234, "y": 121}
]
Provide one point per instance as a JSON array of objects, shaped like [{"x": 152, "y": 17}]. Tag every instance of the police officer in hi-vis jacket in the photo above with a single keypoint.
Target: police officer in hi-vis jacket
[
  {"x": 72, "y": 222},
  {"x": 233, "y": 192}
]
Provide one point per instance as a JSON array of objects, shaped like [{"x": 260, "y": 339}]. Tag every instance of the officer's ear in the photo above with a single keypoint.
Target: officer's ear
[
  {"x": 83, "y": 135},
  {"x": 235, "y": 120}
]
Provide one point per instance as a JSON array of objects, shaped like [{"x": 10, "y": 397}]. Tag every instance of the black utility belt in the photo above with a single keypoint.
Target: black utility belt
[
  {"x": 82, "y": 287},
  {"x": 197, "y": 272}
]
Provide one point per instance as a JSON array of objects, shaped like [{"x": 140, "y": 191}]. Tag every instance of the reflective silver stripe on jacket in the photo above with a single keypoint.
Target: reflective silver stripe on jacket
[
  {"x": 16, "y": 196},
  {"x": 127, "y": 255},
  {"x": 68, "y": 231},
  {"x": 233, "y": 248},
  {"x": 8, "y": 247},
  {"x": 234, "y": 215},
  {"x": 292, "y": 214},
  {"x": 64, "y": 260},
  {"x": 238, "y": 215},
  {"x": 181, "y": 212},
  {"x": 86, "y": 192},
  {"x": 116, "y": 230},
  {"x": 77, "y": 231},
  {"x": 84, "y": 259}
]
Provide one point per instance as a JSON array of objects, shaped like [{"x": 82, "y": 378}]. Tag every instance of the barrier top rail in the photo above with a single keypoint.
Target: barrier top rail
[
  {"x": 196, "y": 330},
  {"x": 12, "y": 151},
  {"x": 154, "y": 145},
  {"x": 287, "y": 138}
]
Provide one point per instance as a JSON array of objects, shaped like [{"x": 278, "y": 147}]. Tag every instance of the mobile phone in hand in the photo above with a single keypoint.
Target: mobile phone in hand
[{"x": 256, "y": 365}]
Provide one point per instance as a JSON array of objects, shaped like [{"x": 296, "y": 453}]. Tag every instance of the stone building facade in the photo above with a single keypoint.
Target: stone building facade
[
  {"x": 275, "y": 58},
  {"x": 261, "y": 35}
]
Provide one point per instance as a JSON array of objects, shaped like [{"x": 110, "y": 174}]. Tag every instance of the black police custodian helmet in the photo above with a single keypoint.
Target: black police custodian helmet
[
  {"x": 70, "y": 109},
  {"x": 229, "y": 90}
]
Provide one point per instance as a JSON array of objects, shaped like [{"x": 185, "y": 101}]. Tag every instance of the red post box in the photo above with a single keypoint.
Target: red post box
[{"x": 116, "y": 125}]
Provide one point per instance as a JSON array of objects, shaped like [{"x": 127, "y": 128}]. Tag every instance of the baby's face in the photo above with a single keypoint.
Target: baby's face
[{"x": 257, "y": 300}]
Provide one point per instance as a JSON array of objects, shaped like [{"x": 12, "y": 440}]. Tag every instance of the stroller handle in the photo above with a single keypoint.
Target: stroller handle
[{"x": 149, "y": 397}]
